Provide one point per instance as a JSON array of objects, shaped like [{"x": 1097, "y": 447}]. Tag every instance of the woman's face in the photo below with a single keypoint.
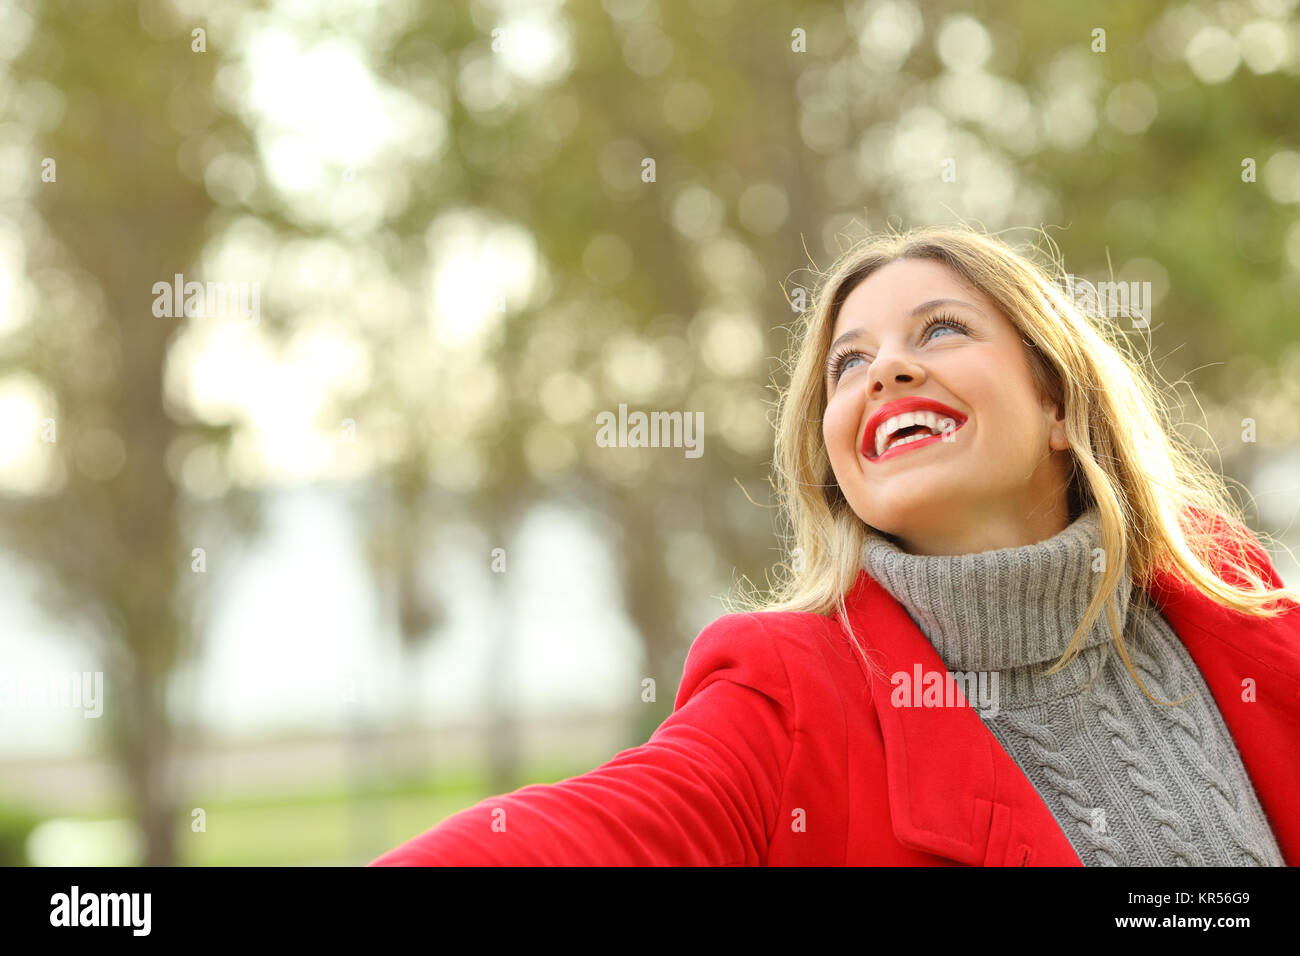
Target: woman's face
[{"x": 996, "y": 473}]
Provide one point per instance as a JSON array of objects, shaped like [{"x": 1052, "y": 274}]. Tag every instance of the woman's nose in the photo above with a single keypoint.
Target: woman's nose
[{"x": 892, "y": 368}]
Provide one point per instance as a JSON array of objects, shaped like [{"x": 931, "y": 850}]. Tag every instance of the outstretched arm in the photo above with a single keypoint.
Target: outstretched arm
[{"x": 703, "y": 791}]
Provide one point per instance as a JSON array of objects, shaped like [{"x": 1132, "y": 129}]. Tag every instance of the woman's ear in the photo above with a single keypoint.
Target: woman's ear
[{"x": 1056, "y": 439}]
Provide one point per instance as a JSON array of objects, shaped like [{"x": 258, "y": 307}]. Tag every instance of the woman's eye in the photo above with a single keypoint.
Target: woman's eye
[{"x": 847, "y": 361}]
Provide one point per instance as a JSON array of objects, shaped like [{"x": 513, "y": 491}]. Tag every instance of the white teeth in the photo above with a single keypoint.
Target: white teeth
[
  {"x": 932, "y": 420},
  {"x": 909, "y": 438}
]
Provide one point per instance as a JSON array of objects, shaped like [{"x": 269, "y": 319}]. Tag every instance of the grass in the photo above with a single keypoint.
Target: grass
[{"x": 329, "y": 824}]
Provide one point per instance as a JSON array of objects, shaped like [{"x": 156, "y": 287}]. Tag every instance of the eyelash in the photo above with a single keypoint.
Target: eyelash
[{"x": 836, "y": 363}]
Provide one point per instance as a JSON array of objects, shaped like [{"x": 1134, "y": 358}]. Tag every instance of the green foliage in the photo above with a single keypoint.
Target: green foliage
[{"x": 16, "y": 825}]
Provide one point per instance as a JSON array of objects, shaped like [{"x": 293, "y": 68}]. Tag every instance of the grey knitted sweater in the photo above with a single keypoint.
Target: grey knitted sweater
[{"x": 1131, "y": 782}]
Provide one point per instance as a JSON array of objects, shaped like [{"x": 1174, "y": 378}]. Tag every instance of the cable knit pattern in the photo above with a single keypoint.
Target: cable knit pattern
[{"x": 1132, "y": 782}]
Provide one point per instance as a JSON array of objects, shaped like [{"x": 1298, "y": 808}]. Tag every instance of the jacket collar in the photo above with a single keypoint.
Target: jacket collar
[{"x": 955, "y": 792}]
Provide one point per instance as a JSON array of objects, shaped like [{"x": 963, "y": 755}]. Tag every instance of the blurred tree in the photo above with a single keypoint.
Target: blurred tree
[
  {"x": 565, "y": 161},
  {"x": 118, "y": 218}
]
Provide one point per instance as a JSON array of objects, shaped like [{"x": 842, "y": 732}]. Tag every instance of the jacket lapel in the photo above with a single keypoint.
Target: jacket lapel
[{"x": 953, "y": 790}]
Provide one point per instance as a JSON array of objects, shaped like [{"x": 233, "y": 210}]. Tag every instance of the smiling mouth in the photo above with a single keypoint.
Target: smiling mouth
[{"x": 912, "y": 437}]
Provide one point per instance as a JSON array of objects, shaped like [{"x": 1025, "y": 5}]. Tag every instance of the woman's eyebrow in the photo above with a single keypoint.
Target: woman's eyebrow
[{"x": 923, "y": 307}]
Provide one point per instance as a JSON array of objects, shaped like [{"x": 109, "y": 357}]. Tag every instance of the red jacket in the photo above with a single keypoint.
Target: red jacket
[{"x": 782, "y": 749}]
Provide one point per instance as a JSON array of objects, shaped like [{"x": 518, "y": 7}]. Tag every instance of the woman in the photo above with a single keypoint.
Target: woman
[{"x": 933, "y": 683}]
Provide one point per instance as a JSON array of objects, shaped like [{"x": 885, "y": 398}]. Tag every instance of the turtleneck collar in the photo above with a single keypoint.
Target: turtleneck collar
[{"x": 1013, "y": 610}]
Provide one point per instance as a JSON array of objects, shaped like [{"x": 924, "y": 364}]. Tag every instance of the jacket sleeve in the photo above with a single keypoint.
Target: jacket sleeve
[{"x": 704, "y": 790}]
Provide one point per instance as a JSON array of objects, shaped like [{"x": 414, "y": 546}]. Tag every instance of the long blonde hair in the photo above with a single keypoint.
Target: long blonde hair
[{"x": 1161, "y": 506}]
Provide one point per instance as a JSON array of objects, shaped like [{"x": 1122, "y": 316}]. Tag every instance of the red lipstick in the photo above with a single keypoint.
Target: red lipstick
[{"x": 899, "y": 407}]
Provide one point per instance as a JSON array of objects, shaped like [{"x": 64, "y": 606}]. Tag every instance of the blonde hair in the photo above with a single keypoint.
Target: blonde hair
[{"x": 1161, "y": 506}]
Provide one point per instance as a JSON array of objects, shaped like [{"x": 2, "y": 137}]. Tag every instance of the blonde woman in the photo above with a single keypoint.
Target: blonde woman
[{"x": 1025, "y": 624}]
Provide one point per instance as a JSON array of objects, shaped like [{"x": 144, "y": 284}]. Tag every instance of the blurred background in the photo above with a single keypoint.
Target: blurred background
[{"x": 349, "y": 557}]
